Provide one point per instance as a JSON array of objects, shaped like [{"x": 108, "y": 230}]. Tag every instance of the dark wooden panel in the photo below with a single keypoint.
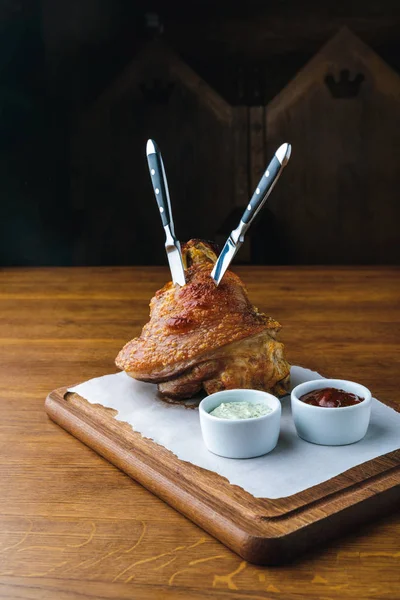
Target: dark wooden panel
[
  {"x": 256, "y": 30},
  {"x": 257, "y": 149},
  {"x": 157, "y": 96},
  {"x": 338, "y": 199}
]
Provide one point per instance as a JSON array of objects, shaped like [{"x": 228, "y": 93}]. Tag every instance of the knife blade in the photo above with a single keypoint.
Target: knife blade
[
  {"x": 161, "y": 192},
  {"x": 263, "y": 190}
]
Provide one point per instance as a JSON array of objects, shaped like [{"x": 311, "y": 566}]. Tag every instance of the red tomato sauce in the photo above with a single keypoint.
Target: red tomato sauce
[{"x": 331, "y": 398}]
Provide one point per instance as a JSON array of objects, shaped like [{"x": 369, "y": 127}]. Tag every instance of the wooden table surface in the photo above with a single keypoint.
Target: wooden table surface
[{"x": 73, "y": 526}]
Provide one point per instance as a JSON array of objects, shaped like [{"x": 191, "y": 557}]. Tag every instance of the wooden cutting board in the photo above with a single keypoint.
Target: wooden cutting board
[{"x": 260, "y": 530}]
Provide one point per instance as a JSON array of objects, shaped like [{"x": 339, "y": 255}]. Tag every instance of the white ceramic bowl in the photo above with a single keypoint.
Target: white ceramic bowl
[
  {"x": 331, "y": 426},
  {"x": 241, "y": 438}
]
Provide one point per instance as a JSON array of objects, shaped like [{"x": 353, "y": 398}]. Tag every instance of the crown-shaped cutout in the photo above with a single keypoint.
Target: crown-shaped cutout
[
  {"x": 158, "y": 92},
  {"x": 344, "y": 87}
]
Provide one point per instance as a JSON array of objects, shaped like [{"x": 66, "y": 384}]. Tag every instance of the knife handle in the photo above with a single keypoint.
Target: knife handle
[
  {"x": 263, "y": 190},
  {"x": 159, "y": 183}
]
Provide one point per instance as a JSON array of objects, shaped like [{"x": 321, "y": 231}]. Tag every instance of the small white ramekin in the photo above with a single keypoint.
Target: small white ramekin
[
  {"x": 331, "y": 426},
  {"x": 241, "y": 438}
]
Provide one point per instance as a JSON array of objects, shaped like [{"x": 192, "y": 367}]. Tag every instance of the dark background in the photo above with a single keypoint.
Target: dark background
[{"x": 63, "y": 204}]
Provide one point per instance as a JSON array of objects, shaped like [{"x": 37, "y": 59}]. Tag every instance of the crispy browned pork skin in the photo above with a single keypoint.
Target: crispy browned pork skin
[{"x": 201, "y": 336}]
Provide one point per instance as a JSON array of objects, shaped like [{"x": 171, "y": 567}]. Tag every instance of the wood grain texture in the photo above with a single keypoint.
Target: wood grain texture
[
  {"x": 242, "y": 191},
  {"x": 262, "y": 531},
  {"x": 337, "y": 201},
  {"x": 157, "y": 96},
  {"x": 70, "y": 523},
  {"x": 258, "y": 31},
  {"x": 257, "y": 149}
]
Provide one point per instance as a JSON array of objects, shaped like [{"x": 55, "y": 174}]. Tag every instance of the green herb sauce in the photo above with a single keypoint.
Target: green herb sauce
[{"x": 240, "y": 410}]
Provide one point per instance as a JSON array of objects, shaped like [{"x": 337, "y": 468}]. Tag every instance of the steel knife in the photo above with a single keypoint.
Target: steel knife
[
  {"x": 263, "y": 190},
  {"x": 160, "y": 187}
]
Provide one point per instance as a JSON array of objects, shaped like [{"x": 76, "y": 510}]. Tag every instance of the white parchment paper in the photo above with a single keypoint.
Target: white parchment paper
[{"x": 293, "y": 466}]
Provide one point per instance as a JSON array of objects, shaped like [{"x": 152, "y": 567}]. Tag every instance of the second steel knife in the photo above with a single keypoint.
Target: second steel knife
[
  {"x": 263, "y": 190},
  {"x": 160, "y": 187}
]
